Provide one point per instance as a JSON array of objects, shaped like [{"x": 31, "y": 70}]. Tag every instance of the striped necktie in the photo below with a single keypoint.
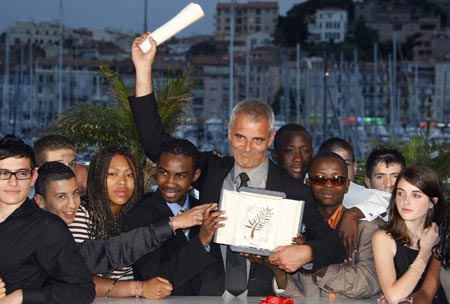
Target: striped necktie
[{"x": 185, "y": 231}]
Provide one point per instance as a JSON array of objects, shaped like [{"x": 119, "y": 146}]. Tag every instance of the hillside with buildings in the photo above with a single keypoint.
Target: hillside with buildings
[{"x": 360, "y": 70}]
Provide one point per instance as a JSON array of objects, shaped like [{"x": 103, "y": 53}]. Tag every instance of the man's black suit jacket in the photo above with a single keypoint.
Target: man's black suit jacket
[
  {"x": 326, "y": 245},
  {"x": 170, "y": 260}
]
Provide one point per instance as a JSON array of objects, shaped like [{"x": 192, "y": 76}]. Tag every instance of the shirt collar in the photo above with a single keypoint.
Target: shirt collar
[
  {"x": 335, "y": 217},
  {"x": 257, "y": 176},
  {"x": 176, "y": 208}
]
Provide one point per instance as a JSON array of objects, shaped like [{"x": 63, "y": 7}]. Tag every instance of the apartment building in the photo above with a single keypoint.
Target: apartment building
[
  {"x": 401, "y": 17},
  {"x": 330, "y": 24},
  {"x": 249, "y": 18}
]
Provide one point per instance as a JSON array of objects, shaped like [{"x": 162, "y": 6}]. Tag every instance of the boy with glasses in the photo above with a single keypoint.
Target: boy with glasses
[{"x": 39, "y": 261}]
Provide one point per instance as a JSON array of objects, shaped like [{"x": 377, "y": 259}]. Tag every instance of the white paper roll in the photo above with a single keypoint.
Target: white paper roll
[{"x": 188, "y": 15}]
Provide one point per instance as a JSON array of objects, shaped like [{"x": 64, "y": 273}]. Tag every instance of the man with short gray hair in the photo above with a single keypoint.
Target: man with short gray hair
[{"x": 250, "y": 133}]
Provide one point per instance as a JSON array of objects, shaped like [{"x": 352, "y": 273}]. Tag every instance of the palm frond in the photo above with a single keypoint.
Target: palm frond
[{"x": 92, "y": 126}]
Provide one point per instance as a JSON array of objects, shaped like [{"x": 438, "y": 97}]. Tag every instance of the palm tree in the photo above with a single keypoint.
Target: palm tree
[{"x": 92, "y": 126}]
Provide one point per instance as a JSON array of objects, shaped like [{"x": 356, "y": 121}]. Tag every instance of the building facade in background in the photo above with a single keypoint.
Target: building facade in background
[
  {"x": 330, "y": 24},
  {"x": 249, "y": 18},
  {"x": 358, "y": 100}
]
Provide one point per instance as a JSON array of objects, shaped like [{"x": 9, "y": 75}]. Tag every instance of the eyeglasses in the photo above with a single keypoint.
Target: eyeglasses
[
  {"x": 320, "y": 180},
  {"x": 19, "y": 174}
]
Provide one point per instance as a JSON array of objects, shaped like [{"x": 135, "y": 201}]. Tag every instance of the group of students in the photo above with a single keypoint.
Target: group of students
[{"x": 134, "y": 244}]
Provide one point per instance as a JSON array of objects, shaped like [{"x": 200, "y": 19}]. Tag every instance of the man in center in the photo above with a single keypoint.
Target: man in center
[{"x": 250, "y": 132}]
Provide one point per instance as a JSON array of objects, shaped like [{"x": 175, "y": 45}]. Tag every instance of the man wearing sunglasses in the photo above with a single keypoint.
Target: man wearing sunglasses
[{"x": 356, "y": 278}]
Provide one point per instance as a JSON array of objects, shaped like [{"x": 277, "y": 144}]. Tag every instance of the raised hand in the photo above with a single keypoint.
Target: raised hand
[
  {"x": 212, "y": 219},
  {"x": 190, "y": 218},
  {"x": 429, "y": 237},
  {"x": 143, "y": 65},
  {"x": 143, "y": 60}
]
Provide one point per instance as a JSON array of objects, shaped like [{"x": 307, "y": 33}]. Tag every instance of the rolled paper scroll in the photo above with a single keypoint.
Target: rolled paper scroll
[{"x": 188, "y": 15}]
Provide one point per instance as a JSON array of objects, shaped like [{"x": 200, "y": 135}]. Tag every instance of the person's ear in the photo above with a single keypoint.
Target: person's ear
[
  {"x": 355, "y": 167},
  {"x": 434, "y": 200},
  {"x": 34, "y": 176},
  {"x": 271, "y": 138},
  {"x": 196, "y": 175},
  {"x": 367, "y": 182},
  {"x": 274, "y": 155},
  {"x": 347, "y": 185},
  {"x": 40, "y": 201}
]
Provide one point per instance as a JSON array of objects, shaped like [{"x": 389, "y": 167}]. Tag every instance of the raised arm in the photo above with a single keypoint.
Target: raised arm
[
  {"x": 143, "y": 65},
  {"x": 143, "y": 106},
  {"x": 384, "y": 249},
  {"x": 123, "y": 250}
]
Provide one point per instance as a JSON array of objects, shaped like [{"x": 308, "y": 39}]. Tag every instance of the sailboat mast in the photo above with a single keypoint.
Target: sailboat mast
[
  {"x": 145, "y": 17},
  {"x": 5, "y": 108},
  {"x": 31, "y": 85},
  {"x": 60, "y": 65},
  {"x": 298, "y": 84}
]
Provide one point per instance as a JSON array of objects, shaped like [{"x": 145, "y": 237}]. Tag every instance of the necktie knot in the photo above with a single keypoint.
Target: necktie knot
[{"x": 244, "y": 179}]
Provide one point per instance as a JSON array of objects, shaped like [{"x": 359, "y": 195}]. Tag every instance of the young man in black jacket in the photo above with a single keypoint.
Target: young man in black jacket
[
  {"x": 39, "y": 261},
  {"x": 57, "y": 192}
]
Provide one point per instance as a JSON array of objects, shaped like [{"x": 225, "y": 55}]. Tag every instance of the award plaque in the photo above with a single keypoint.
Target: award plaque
[{"x": 258, "y": 220}]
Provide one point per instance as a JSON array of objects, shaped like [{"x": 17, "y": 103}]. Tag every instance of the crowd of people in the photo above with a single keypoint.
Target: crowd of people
[{"x": 72, "y": 233}]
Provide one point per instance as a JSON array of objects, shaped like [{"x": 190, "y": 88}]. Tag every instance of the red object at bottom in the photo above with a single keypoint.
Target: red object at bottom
[{"x": 276, "y": 300}]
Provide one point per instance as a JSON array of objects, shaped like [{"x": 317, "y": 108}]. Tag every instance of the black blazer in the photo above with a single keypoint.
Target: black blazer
[{"x": 326, "y": 245}]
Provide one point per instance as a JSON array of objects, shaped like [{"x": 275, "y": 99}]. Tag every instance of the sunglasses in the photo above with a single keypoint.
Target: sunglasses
[{"x": 320, "y": 180}]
